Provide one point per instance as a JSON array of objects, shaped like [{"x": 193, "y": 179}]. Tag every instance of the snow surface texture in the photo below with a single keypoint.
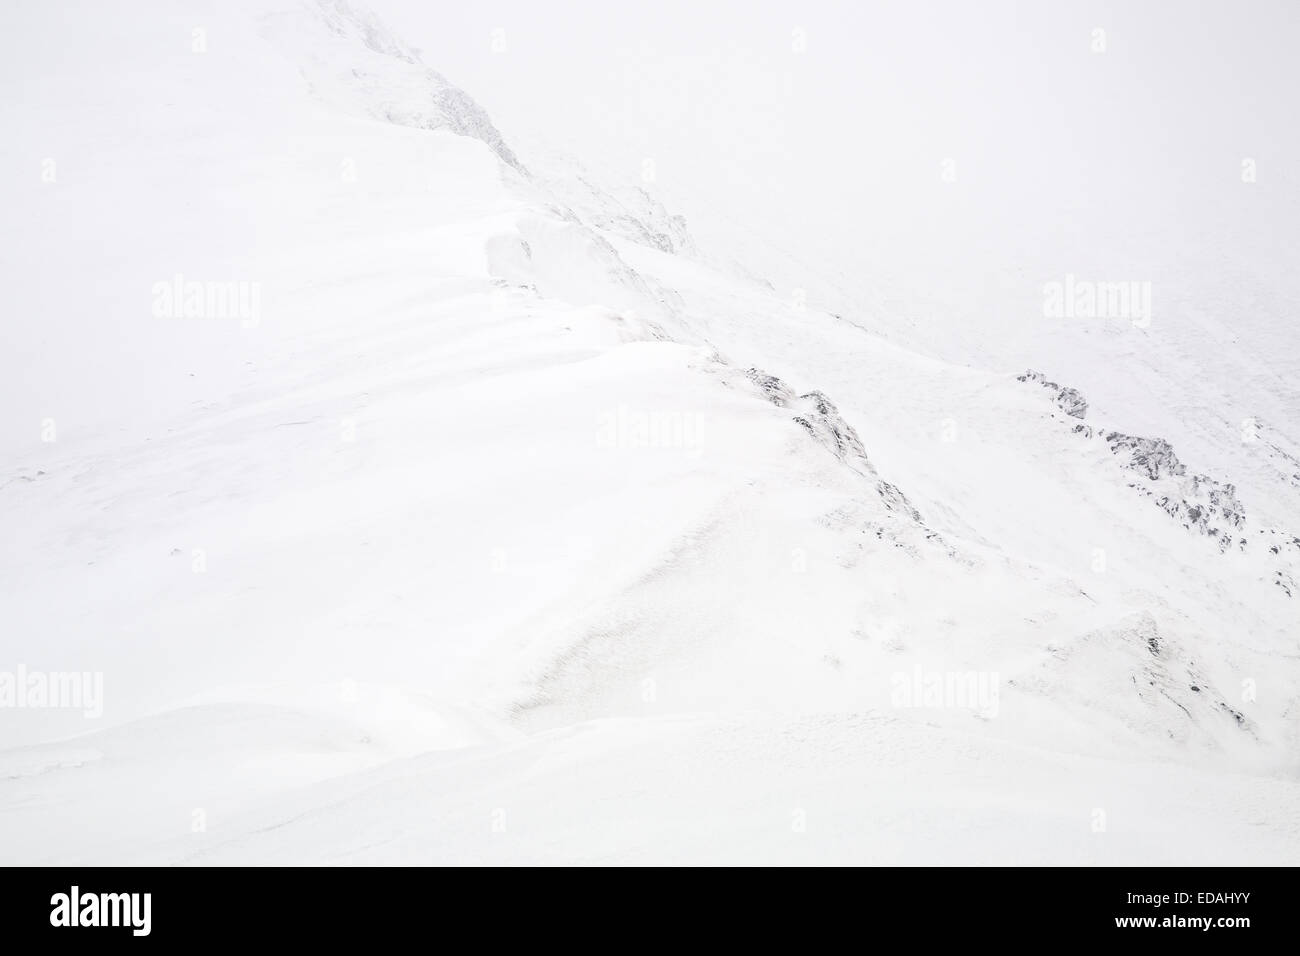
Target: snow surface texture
[{"x": 513, "y": 526}]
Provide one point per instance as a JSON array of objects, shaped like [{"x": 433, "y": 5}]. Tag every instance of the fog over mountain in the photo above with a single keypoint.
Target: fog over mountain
[{"x": 752, "y": 433}]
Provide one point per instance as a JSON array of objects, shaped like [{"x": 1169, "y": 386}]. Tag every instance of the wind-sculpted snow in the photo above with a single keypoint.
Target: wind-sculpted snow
[{"x": 563, "y": 259}]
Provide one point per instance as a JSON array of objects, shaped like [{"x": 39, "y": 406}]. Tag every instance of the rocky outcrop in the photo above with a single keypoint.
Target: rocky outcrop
[
  {"x": 1154, "y": 457},
  {"x": 1141, "y": 676},
  {"x": 1198, "y": 502},
  {"x": 819, "y": 417},
  {"x": 1069, "y": 400}
]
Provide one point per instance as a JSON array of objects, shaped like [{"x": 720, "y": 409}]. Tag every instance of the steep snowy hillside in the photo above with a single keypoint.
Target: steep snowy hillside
[{"x": 404, "y": 498}]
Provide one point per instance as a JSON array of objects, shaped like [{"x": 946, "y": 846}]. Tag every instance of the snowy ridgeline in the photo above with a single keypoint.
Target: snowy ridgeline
[{"x": 480, "y": 514}]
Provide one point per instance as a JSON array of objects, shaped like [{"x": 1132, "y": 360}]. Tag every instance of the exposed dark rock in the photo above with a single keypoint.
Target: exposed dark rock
[
  {"x": 1153, "y": 456},
  {"x": 895, "y": 500},
  {"x": 1072, "y": 402},
  {"x": 1236, "y": 715},
  {"x": 1287, "y": 583},
  {"x": 1199, "y": 502},
  {"x": 1069, "y": 400},
  {"x": 776, "y": 390},
  {"x": 819, "y": 417}
]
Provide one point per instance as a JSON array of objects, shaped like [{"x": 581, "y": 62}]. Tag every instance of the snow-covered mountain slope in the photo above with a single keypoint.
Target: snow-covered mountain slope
[{"x": 486, "y": 488}]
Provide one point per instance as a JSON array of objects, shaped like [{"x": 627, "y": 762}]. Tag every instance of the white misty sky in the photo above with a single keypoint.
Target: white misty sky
[
  {"x": 1122, "y": 165},
  {"x": 852, "y": 132}
]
